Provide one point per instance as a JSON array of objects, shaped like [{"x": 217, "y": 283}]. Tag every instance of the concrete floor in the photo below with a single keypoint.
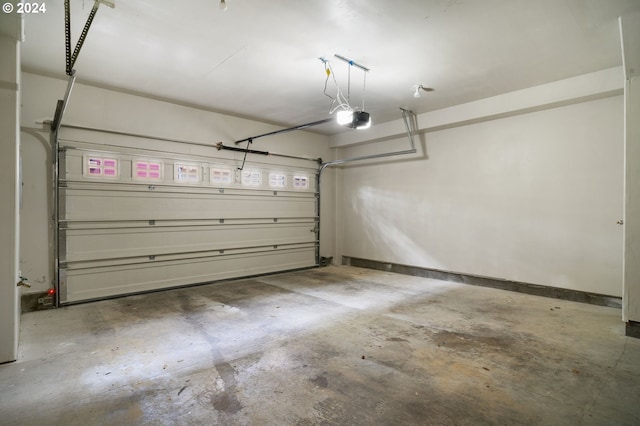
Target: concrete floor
[{"x": 329, "y": 346}]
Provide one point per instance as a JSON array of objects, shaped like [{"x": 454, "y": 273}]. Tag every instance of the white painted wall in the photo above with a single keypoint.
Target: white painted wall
[
  {"x": 108, "y": 109},
  {"x": 10, "y": 36},
  {"x": 533, "y": 197},
  {"x": 631, "y": 306},
  {"x": 630, "y": 37},
  {"x": 35, "y": 215}
]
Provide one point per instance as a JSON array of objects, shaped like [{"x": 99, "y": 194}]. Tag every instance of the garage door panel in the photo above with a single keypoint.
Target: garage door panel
[
  {"x": 157, "y": 224},
  {"x": 183, "y": 189},
  {"x": 76, "y": 163},
  {"x": 160, "y": 258},
  {"x": 95, "y": 283},
  {"x": 118, "y": 243},
  {"x": 80, "y": 204},
  {"x": 91, "y": 141}
]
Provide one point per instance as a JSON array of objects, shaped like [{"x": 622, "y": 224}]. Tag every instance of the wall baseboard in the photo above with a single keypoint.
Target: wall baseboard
[
  {"x": 632, "y": 329},
  {"x": 36, "y": 302},
  {"x": 520, "y": 287}
]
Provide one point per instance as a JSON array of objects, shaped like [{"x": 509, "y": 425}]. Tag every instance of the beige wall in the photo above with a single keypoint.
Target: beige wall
[
  {"x": 35, "y": 215},
  {"x": 533, "y": 197},
  {"x": 10, "y": 36},
  {"x": 631, "y": 305},
  {"x": 108, "y": 109},
  {"x": 630, "y": 37}
]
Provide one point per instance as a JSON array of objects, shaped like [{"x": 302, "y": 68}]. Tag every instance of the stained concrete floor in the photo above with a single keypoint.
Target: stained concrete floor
[{"x": 328, "y": 346}]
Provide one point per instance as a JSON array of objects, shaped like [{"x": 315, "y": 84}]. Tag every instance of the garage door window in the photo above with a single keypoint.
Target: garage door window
[{"x": 100, "y": 167}]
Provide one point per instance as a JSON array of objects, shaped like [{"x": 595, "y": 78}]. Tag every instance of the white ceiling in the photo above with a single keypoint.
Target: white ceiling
[{"x": 259, "y": 58}]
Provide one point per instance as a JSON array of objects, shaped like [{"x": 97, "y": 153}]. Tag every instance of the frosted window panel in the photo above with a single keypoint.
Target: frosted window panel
[
  {"x": 147, "y": 170},
  {"x": 277, "y": 180},
  {"x": 221, "y": 176},
  {"x": 187, "y": 173},
  {"x": 301, "y": 182},
  {"x": 100, "y": 167},
  {"x": 251, "y": 178}
]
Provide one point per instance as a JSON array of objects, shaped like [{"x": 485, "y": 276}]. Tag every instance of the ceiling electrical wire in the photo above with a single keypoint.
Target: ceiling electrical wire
[
  {"x": 349, "y": 83},
  {"x": 327, "y": 70},
  {"x": 364, "y": 90},
  {"x": 339, "y": 101}
]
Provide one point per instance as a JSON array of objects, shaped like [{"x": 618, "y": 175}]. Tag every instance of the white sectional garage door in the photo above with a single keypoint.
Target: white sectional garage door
[{"x": 138, "y": 214}]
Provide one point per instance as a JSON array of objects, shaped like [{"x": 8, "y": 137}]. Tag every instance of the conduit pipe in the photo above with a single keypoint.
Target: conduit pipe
[{"x": 409, "y": 118}]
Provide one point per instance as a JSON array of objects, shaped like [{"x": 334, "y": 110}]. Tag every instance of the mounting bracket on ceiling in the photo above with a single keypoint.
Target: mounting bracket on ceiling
[
  {"x": 351, "y": 62},
  {"x": 72, "y": 57}
]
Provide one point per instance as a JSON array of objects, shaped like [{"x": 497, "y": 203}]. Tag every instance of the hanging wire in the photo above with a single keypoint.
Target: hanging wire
[
  {"x": 329, "y": 72},
  {"x": 364, "y": 89},
  {"x": 249, "y": 141},
  {"x": 349, "y": 84},
  {"x": 339, "y": 101}
]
